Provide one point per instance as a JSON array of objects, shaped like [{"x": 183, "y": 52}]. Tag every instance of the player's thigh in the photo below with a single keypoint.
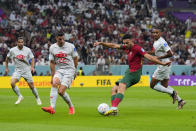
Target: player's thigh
[
  {"x": 30, "y": 84},
  {"x": 14, "y": 81},
  {"x": 153, "y": 82},
  {"x": 57, "y": 79},
  {"x": 165, "y": 82},
  {"x": 16, "y": 77},
  {"x": 62, "y": 89},
  {"x": 67, "y": 80},
  {"x": 28, "y": 76},
  {"x": 131, "y": 78}
]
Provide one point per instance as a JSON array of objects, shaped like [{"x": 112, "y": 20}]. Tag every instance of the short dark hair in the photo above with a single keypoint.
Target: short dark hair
[
  {"x": 60, "y": 33},
  {"x": 20, "y": 38},
  {"x": 157, "y": 28},
  {"x": 127, "y": 36}
]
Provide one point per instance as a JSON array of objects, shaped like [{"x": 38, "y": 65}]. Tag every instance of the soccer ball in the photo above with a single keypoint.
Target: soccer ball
[{"x": 102, "y": 108}]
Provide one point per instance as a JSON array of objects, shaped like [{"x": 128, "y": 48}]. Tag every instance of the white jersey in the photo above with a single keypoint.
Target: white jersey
[
  {"x": 63, "y": 56},
  {"x": 161, "y": 48},
  {"x": 21, "y": 57}
]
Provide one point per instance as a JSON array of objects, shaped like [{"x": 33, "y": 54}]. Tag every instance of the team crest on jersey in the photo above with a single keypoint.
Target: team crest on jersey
[
  {"x": 165, "y": 44},
  {"x": 61, "y": 55},
  {"x": 142, "y": 50},
  {"x": 20, "y": 57}
]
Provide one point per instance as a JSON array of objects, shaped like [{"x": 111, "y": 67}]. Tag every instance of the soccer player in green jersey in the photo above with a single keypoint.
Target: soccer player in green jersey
[{"x": 133, "y": 74}]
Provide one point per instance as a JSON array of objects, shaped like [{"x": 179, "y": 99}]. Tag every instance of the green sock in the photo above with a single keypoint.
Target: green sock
[
  {"x": 119, "y": 95},
  {"x": 113, "y": 97}
]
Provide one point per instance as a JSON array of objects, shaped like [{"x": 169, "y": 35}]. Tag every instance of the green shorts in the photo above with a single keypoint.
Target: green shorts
[{"x": 130, "y": 78}]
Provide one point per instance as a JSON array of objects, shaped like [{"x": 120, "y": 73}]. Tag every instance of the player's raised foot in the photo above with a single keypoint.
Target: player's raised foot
[
  {"x": 174, "y": 96},
  {"x": 111, "y": 111},
  {"x": 48, "y": 109},
  {"x": 181, "y": 103},
  {"x": 39, "y": 102},
  {"x": 71, "y": 110},
  {"x": 20, "y": 98}
]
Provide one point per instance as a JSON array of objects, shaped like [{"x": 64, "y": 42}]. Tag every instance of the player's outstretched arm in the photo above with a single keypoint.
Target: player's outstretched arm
[
  {"x": 155, "y": 60},
  {"x": 6, "y": 66},
  {"x": 169, "y": 54},
  {"x": 110, "y": 45},
  {"x": 152, "y": 52}
]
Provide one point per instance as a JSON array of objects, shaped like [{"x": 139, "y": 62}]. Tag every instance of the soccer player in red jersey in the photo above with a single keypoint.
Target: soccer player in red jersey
[{"x": 133, "y": 74}]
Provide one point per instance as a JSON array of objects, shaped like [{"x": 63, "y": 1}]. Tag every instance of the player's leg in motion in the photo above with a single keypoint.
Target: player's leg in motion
[
  {"x": 118, "y": 98},
  {"x": 62, "y": 92},
  {"x": 114, "y": 92},
  {"x": 181, "y": 102},
  {"x": 35, "y": 93},
  {"x": 16, "y": 90},
  {"x": 53, "y": 96},
  {"x": 154, "y": 85}
]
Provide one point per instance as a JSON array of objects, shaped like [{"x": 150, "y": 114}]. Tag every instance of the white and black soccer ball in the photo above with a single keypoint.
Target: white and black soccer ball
[{"x": 102, "y": 108}]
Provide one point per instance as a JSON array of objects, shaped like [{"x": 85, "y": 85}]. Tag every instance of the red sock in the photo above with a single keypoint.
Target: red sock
[{"x": 117, "y": 99}]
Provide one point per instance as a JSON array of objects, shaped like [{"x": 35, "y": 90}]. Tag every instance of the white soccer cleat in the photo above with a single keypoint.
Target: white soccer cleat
[
  {"x": 39, "y": 102},
  {"x": 20, "y": 98}
]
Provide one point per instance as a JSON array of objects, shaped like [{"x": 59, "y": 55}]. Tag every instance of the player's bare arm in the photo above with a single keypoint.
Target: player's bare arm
[
  {"x": 32, "y": 65},
  {"x": 6, "y": 66},
  {"x": 155, "y": 60},
  {"x": 75, "y": 64},
  {"x": 169, "y": 54},
  {"x": 110, "y": 45},
  {"x": 152, "y": 52},
  {"x": 52, "y": 68}
]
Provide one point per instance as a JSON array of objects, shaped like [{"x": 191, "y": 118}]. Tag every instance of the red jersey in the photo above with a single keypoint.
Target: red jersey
[{"x": 135, "y": 57}]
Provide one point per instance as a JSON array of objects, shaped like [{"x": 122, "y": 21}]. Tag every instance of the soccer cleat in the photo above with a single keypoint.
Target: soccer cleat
[
  {"x": 181, "y": 103},
  {"x": 111, "y": 112},
  {"x": 48, "y": 109},
  {"x": 20, "y": 98},
  {"x": 174, "y": 96},
  {"x": 71, "y": 110},
  {"x": 39, "y": 102}
]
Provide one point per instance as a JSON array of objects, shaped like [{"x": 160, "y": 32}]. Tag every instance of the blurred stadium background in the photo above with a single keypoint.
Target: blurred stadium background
[{"x": 87, "y": 21}]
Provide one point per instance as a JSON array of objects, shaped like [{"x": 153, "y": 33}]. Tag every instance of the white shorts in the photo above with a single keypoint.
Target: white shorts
[
  {"x": 25, "y": 74},
  {"x": 65, "y": 76},
  {"x": 162, "y": 72}
]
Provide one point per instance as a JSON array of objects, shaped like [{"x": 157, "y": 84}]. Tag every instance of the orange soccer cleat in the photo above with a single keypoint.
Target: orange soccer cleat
[
  {"x": 71, "y": 110},
  {"x": 48, "y": 109}
]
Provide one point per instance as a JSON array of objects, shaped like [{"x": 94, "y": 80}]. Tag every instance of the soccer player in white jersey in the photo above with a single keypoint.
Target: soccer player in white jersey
[
  {"x": 162, "y": 51},
  {"x": 65, "y": 56},
  {"x": 21, "y": 55}
]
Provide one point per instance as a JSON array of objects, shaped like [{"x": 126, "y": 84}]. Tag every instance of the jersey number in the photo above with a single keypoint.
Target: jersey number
[{"x": 62, "y": 60}]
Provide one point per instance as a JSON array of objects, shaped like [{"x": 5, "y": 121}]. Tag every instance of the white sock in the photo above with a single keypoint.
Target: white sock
[
  {"x": 114, "y": 108},
  {"x": 178, "y": 97},
  {"x": 53, "y": 96},
  {"x": 163, "y": 89},
  {"x": 67, "y": 99},
  {"x": 35, "y": 93},
  {"x": 17, "y": 91}
]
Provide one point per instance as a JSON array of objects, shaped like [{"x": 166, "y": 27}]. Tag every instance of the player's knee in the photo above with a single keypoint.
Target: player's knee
[
  {"x": 114, "y": 90},
  {"x": 152, "y": 85},
  {"x": 61, "y": 92},
  {"x": 13, "y": 84},
  {"x": 55, "y": 84}
]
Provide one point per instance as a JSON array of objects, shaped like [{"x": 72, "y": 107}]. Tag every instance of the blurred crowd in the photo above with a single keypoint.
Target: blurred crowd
[{"x": 87, "y": 21}]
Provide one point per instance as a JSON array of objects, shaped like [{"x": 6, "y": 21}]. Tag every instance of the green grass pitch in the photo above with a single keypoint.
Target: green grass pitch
[{"x": 142, "y": 109}]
